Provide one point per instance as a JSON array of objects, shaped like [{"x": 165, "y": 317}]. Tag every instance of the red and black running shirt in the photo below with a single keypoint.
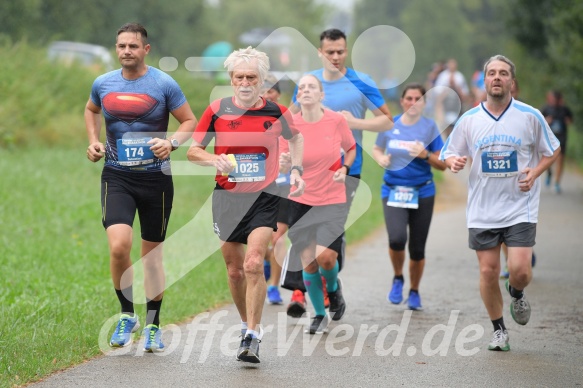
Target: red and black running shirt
[{"x": 239, "y": 130}]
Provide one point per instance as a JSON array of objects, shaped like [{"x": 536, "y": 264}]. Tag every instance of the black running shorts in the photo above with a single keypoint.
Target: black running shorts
[
  {"x": 236, "y": 215},
  {"x": 150, "y": 193},
  {"x": 283, "y": 213}
]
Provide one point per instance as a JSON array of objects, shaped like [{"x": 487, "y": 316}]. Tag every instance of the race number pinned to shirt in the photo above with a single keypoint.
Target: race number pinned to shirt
[
  {"x": 283, "y": 179},
  {"x": 134, "y": 152},
  {"x": 248, "y": 168},
  {"x": 403, "y": 196},
  {"x": 499, "y": 164}
]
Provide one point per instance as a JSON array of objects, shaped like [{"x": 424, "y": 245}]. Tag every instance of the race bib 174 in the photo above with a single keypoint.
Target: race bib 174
[{"x": 133, "y": 152}]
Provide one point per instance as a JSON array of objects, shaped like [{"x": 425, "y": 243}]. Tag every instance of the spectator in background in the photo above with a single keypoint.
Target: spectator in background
[
  {"x": 436, "y": 69},
  {"x": 447, "y": 109},
  {"x": 515, "y": 90},
  {"x": 389, "y": 87},
  {"x": 478, "y": 87},
  {"x": 559, "y": 118}
]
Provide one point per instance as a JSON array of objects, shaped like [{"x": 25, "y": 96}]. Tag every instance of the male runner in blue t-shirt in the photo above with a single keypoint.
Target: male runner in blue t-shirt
[{"x": 136, "y": 101}]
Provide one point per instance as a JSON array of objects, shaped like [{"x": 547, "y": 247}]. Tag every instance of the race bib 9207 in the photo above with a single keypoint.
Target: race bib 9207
[{"x": 403, "y": 196}]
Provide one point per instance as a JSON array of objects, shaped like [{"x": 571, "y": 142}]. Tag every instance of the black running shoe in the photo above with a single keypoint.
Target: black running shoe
[
  {"x": 249, "y": 350},
  {"x": 318, "y": 325},
  {"x": 337, "y": 304}
]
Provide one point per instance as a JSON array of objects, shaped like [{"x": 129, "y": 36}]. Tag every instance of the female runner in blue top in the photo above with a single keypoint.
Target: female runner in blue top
[{"x": 407, "y": 152}]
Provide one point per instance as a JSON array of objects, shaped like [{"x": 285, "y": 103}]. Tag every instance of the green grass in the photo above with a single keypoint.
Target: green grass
[{"x": 56, "y": 291}]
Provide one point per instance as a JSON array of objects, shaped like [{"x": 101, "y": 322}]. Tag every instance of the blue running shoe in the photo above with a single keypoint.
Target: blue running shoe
[
  {"x": 266, "y": 269},
  {"x": 504, "y": 274},
  {"x": 414, "y": 301},
  {"x": 153, "y": 339},
  {"x": 273, "y": 295},
  {"x": 396, "y": 294},
  {"x": 122, "y": 336}
]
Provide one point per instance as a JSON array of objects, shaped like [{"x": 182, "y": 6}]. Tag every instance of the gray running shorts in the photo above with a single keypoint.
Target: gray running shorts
[{"x": 519, "y": 235}]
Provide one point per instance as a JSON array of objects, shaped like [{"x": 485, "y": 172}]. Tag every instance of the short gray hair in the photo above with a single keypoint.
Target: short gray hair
[
  {"x": 247, "y": 55},
  {"x": 501, "y": 58}
]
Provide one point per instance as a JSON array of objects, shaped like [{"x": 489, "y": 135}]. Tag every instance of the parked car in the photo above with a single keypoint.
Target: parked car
[{"x": 86, "y": 54}]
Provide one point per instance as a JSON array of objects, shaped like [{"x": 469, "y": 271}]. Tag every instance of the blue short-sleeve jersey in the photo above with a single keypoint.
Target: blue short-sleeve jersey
[
  {"x": 406, "y": 170},
  {"x": 137, "y": 108}
]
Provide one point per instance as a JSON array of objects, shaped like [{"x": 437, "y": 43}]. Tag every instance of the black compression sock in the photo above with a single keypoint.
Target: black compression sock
[
  {"x": 499, "y": 324},
  {"x": 126, "y": 298},
  {"x": 515, "y": 293},
  {"x": 153, "y": 315}
]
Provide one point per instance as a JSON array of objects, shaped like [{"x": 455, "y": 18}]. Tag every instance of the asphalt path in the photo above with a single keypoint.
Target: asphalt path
[{"x": 379, "y": 344}]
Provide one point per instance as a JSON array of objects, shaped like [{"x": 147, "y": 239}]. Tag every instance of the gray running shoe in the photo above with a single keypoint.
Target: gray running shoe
[
  {"x": 499, "y": 341},
  {"x": 519, "y": 308},
  {"x": 249, "y": 350}
]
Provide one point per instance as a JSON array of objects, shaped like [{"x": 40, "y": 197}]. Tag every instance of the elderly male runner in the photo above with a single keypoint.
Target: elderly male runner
[{"x": 246, "y": 128}]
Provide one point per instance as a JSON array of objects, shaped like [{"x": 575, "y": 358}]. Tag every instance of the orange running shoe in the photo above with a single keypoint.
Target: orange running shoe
[
  {"x": 326, "y": 298},
  {"x": 297, "y": 306}
]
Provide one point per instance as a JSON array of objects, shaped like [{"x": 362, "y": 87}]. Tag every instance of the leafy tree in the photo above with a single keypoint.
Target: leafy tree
[{"x": 551, "y": 32}]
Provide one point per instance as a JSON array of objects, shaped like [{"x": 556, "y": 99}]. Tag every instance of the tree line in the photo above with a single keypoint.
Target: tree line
[{"x": 543, "y": 37}]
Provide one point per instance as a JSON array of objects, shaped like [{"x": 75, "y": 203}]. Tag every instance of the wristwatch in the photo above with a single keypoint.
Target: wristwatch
[
  {"x": 347, "y": 168},
  {"x": 174, "y": 142},
  {"x": 300, "y": 169},
  {"x": 428, "y": 155}
]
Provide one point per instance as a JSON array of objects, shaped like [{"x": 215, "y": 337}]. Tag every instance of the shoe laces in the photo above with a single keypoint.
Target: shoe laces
[
  {"x": 152, "y": 333},
  {"x": 520, "y": 305},
  {"x": 499, "y": 336},
  {"x": 247, "y": 340},
  {"x": 122, "y": 325}
]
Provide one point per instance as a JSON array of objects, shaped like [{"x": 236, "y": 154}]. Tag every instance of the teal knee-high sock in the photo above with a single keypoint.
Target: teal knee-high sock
[
  {"x": 313, "y": 283},
  {"x": 331, "y": 276}
]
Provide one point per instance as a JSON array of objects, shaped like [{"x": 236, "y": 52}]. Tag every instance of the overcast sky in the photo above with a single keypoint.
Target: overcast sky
[{"x": 344, "y": 4}]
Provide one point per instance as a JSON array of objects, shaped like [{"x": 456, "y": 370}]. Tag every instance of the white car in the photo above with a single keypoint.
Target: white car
[{"x": 90, "y": 55}]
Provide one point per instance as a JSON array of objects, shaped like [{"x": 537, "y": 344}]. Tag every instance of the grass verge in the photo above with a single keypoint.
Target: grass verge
[{"x": 56, "y": 292}]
